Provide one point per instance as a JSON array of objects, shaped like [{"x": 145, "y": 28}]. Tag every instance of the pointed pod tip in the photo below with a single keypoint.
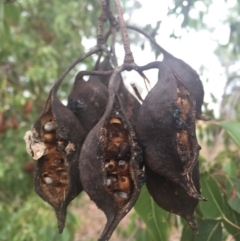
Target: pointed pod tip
[
  {"x": 195, "y": 231},
  {"x": 198, "y": 196},
  {"x": 60, "y": 228},
  {"x": 61, "y": 224},
  {"x": 192, "y": 223},
  {"x": 61, "y": 218}
]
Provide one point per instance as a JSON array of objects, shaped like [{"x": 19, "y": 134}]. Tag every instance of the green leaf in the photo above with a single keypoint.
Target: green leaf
[
  {"x": 233, "y": 193},
  {"x": 233, "y": 129},
  {"x": 230, "y": 168},
  {"x": 1, "y": 18},
  {"x": 11, "y": 14},
  {"x": 213, "y": 208},
  {"x": 209, "y": 230},
  {"x": 187, "y": 234},
  {"x": 154, "y": 217},
  {"x": 232, "y": 221},
  {"x": 143, "y": 235}
]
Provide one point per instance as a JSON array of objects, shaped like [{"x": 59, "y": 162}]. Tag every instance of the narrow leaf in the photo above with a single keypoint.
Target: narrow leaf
[
  {"x": 213, "y": 208},
  {"x": 209, "y": 230},
  {"x": 1, "y": 18},
  {"x": 231, "y": 221},
  {"x": 233, "y": 193},
  {"x": 233, "y": 129},
  {"x": 187, "y": 234},
  {"x": 154, "y": 217}
]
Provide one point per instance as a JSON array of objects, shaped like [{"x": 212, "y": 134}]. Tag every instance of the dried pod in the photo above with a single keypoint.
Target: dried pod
[
  {"x": 88, "y": 101},
  {"x": 54, "y": 142},
  {"x": 114, "y": 194},
  {"x": 166, "y": 129},
  {"x": 172, "y": 197},
  {"x": 190, "y": 79},
  {"x": 130, "y": 103}
]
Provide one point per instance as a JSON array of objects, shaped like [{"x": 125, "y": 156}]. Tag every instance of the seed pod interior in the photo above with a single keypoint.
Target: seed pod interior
[
  {"x": 110, "y": 173},
  {"x": 190, "y": 78}
]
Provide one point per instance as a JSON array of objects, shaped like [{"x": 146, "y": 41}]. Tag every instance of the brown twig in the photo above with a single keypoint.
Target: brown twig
[
  {"x": 98, "y": 72},
  {"x": 112, "y": 20},
  {"x": 135, "y": 89},
  {"x": 139, "y": 30},
  {"x": 73, "y": 64},
  {"x": 126, "y": 43},
  {"x": 102, "y": 19}
]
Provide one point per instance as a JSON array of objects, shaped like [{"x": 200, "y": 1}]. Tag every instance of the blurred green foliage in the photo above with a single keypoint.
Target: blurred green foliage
[{"x": 39, "y": 39}]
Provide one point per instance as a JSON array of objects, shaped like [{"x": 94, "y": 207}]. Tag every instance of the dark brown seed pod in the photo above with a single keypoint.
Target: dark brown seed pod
[
  {"x": 114, "y": 194},
  {"x": 190, "y": 79},
  {"x": 54, "y": 142},
  {"x": 130, "y": 103},
  {"x": 88, "y": 100},
  {"x": 172, "y": 197},
  {"x": 166, "y": 129}
]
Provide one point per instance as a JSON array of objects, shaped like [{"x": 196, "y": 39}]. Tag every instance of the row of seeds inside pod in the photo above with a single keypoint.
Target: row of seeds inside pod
[
  {"x": 117, "y": 157},
  {"x": 182, "y": 136},
  {"x": 54, "y": 173}
]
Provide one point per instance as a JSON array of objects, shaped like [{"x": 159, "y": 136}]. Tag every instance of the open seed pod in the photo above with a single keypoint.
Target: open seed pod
[
  {"x": 172, "y": 197},
  {"x": 190, "y": 78},
  {"x": 88, "y": 100},
  {"x": 166, "y": 130},
  {"x": 109, "y": 164},
  {"x": 130, "y": 104},
  {"x": 54, "y": 142}
]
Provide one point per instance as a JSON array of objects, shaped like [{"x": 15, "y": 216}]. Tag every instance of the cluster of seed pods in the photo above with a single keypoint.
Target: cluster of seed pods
[{"x": 95, "y": 144}]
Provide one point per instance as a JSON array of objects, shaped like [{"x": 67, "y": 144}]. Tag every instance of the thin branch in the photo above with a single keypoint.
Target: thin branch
[
  {"x": 112, "y": 20},
  {"x": 135, "y": 89},
  {"x": 102, "y": 19},
  {"x": 113, "y": 29},
  {"x": 139, "y": 30},
  {"x": 98, "y": 72},
  {"x": 72, "y": 65},
  {"x": 152, "y": 65},
  {"x": 109, "y": 54},
  {"x": 126, "y": 43}
]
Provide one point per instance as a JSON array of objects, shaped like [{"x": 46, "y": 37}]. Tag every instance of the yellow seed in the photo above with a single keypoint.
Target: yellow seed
[
  {"x": 118, "y": 140},
  {"x": 115, "y": 120},
  {"x": 49, "y": 137},
  {"x": 124, "y": 184}
]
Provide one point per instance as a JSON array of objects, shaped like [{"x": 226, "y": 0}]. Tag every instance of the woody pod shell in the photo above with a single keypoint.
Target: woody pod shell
[{"x": 65, "y": 136}]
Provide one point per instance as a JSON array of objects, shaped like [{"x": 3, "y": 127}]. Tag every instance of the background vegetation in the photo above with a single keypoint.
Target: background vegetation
[{"x": 39, "y": 39}]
